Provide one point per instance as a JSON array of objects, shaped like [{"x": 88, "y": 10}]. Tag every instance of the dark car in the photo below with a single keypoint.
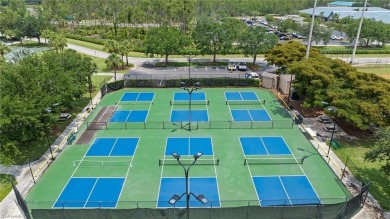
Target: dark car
[{"x": 285, "y": 38}]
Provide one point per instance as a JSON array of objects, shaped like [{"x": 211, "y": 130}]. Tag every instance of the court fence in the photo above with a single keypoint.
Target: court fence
[
  {"x": 194, "y": 125},
  {"x": 234, "y": 209}
]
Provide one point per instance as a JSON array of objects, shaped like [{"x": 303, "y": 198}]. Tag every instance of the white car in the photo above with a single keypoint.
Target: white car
[
  {"x": 232, "y": 66},
  {"x": 242, "y": 66},
  {"x": 249, "y": 75},
  {"x": 334, "y": 37}
]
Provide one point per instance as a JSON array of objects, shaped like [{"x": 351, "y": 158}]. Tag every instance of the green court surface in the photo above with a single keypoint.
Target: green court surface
[{"x": 142, "y": 177}]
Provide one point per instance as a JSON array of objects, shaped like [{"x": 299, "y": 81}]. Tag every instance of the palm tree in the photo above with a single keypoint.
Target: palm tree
[
  {"x": 58, "y": 41},
  {"x": 128, "y": 46},
  {"x": 111, "y": 46},
  {"x": 3, "y": 50},
  {"x": 113, "y": 61},
  {"x": 122, "y": 51}
]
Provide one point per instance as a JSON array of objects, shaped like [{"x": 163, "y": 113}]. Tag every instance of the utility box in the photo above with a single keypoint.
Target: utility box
[{"x": 269, "y": 80}]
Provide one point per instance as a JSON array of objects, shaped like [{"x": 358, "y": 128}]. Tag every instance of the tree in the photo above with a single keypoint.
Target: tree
[
  {"x": 381, "y": 149},
  {"x": 283, "y": 54},
  {"x": 31, "y": 85},
  {"x": 58, "y": 41},
  {"x": 256, "y": 40},
  {"x": 213, "y": 37},
  {"x": 165, "y": 41},
  {"x": 4, "y": 49},
  {"x": 113, "y": 61},
  {"x": 111, "y": 46}
]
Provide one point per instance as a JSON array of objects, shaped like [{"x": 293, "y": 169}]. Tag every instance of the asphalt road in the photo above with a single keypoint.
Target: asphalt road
[{"x": 143, "y": 69}]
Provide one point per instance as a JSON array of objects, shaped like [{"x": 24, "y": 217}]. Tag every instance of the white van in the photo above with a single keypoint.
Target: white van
[{"x": 253, "y": 75}]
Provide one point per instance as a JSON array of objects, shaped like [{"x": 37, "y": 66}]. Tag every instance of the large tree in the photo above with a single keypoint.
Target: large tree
[
  {"x": 164, "y": 41},
  {"x": 284, "y": 54},
  {"x": 381, "y": 149},
  {"x": 29, "y": 87},
  {"x": 256, "y": 40},
  {"x": 212, "y": 36}
]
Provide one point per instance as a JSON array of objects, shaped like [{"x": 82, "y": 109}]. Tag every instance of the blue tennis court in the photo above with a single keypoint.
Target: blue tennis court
[
  {"x": 189, "y": 146},
  {"x": 243, "y": 115},
  {"x": 137, "y": 97},
  {"x": 183, "y": 116},
  {"x": 185, "y": 96},
  {"x": 285, "y": 190},
  {"x": 206, "y": 186},
  {"x": 90, "y": 193},
  {"x": 264, "y": 146},
  {"x": 242, "y": 95},
  {"x": 129, "y": 116},
  {"x": 113, "y": 147}
]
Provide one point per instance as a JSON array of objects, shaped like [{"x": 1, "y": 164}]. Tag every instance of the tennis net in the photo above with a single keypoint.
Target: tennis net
[
  {"x": 273, "y": 161},
  {"x": 173, "y": 162},
  {"x": 187, "y": 102},
  {"x": 100, "y": 163},
  {"x": 244, "y": 102}
]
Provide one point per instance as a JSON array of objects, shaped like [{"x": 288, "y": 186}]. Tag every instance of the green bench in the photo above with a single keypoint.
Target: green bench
[{"x": 71, "y": 138}]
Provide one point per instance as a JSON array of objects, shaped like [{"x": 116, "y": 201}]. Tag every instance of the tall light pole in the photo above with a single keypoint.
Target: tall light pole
[
  {"x": 189, "y": 59},
  {"x": 311, "y": 30},
  {"x": 190, "y": 90},
  {"x": 358, "y": 33},
  {"x": 188, "y": 194},
  {"x": 330, "y": 108}
]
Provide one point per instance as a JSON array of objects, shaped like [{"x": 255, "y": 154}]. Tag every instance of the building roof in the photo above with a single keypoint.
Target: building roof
[
  {"x": 342, "y": 3},
  {"x": 379, "y": 14}
]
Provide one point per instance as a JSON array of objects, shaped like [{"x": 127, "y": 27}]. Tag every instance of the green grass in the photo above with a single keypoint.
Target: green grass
[
  {"x": 5, "y": 185},
  {"x": 383, "y": 70},
  {"x": 366, "y": 171}
]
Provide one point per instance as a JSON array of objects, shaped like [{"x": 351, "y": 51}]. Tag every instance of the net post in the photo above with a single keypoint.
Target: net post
[
  {"x": 159, "y": 162},
  {"x": 217, "y": 162},
  {"x": 125, "y": 125},
  {"x": 226, "y": 102},
  {"x": 245, "y": 161}
]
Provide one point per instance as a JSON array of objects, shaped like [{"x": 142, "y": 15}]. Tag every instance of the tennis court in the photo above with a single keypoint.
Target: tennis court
[{"x": 122, "y": 168}]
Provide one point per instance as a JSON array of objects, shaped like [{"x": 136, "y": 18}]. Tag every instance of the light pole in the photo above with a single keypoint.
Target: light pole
[
  {"x": 190, "y": 90},
  {"x": 189, "y": 58},
  {"x": 330, "y": 108},
  {"x": 188, "y": 194}
]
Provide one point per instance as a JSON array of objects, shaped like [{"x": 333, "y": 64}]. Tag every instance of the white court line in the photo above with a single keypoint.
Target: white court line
[
  {"x": 250, "y": 115},
  {"x": 136, "y": 99},
  {"x": 261, "y": 139},
  {"x": 128, "y": 171},
  {"x": 162, "y": 171},
  {"x": 285, "y": 191},
  {"x": 128, "y": 114},
  {"x": 90, "y": 193},
  {"x": 113, "y": 146}
]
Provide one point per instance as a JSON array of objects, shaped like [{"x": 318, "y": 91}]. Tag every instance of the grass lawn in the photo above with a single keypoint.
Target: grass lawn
[
  {"x": 5, "y": 185},
  {"x": 366, "y": 171},
  {"x": 383, "y": 70}
]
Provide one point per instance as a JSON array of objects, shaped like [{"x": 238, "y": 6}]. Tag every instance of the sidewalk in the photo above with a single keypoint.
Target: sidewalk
[{"x": 9, "y": 208}]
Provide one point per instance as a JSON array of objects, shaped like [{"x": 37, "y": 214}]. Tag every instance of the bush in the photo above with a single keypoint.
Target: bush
[{"x": 84, "y": 38}]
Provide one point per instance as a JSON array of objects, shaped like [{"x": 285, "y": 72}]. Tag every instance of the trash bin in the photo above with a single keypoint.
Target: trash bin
[{"x": 335, "y": 144}]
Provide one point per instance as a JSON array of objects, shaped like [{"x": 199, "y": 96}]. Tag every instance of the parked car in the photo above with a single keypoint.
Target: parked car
[
  {"x": 64, "y": 116},
  {"x": 232, "y": 66},
  {"x": 334, "y": 37},
  {"x": 285, "y": 38},
  {"x": 242, "y": 66},
  {"x": 249, "y": 75}
]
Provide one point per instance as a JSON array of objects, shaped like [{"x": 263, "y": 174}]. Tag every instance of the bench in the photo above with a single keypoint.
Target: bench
[{"x": 71, "y": 139}]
